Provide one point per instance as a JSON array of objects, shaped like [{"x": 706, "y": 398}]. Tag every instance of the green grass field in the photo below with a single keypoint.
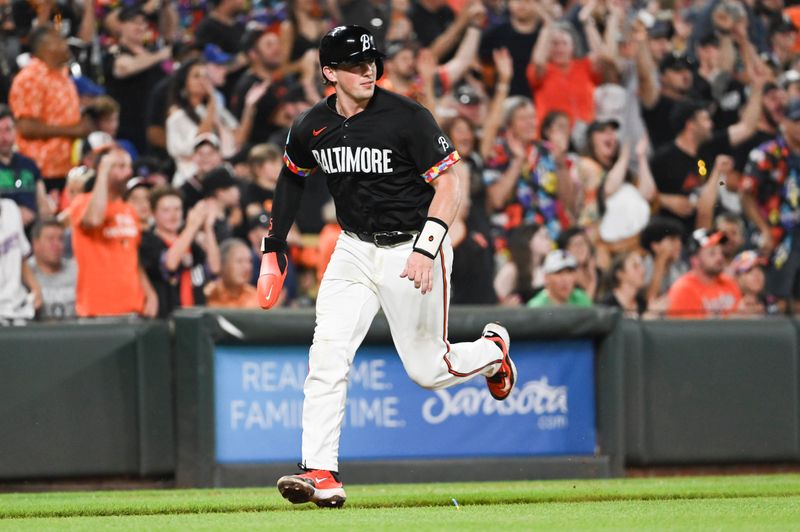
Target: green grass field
[{"x": 731, "y": 502}]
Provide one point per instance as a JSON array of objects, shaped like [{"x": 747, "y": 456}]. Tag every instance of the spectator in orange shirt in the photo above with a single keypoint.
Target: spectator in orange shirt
[
  {"x": 559, "y": 80},
  {"x": 233, "y": 288},
  {"x": 105, "y": 241},
  {"x": 45, "y": 103},
  {"x": 705, "y": 291}
]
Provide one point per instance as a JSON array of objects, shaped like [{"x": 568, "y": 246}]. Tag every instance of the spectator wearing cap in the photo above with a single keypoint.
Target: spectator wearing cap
[
  {"x": 625, "y": 283},
  {"x": 560, "y": 283},
  {"x": 105, "y": 240},
  {"x": 715, "y": 81},
  {"x": 771, "y": 201},
  {"x": 45, "y": 104},
  {"x": 659, "y": 36},
  {"x": 221, "y": 26},
  {"x": 614, "y": 201},
  {"x": 179, "y": 257},
  {"x": 676, "y": 84},
  {"x": 705, "y": 291},
  {"x": 558, "y": 79},
  {"x": 217, "y": 64},
  {"x": 131, "y": 71},
  {"x": 782, "y": 37},
  {"x": 56, "y": 274},
  {"x": 681, "y": 167},
  {"x": 748, "y": 270},
  {"x": 517, "y": 35},
  {"x": 262, "y": 88},
  {"x": 773, "y": 104},
  {"x": 233, "y": 289},
  {"x": 221, "y": 192},
  {"x": 789, "y": 81},
  {"x": 527, "y": 181},
  {"x": 137, "y": 195},
  {"x": 205, "y": 157},
  {"x": 195, "y": 110},
  {"x": 576, "y": 242},
  {"x": 662, "y": 241},
  {"x": 521, "y": 277},
  {"x": 20, "y": 179}
]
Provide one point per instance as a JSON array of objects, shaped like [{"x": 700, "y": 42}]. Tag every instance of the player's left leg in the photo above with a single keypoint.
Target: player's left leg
[{"x": 419, "y": 329}]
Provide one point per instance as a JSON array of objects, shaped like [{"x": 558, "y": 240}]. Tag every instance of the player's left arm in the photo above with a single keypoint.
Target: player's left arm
[{"x": 441, "y": 213}]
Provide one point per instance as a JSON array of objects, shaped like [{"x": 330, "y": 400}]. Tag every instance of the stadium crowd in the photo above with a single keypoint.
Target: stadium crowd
[{"x": 643, "y": 155}]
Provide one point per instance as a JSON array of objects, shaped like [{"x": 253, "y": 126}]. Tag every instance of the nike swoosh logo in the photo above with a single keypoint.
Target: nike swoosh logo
[
  {"x": 316, "y": 132},
  {"x": 269, "y": 294},
  {"x": 323, "y": 479}
]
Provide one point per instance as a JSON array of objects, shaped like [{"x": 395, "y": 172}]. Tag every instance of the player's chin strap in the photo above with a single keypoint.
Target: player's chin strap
[{"x": 429, "y": 240}]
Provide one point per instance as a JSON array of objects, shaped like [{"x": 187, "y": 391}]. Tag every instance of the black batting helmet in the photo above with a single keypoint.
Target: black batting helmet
[{"x": 349, "y": 44}]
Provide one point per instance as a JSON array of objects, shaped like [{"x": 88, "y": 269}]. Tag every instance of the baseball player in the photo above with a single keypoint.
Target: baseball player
[{"x": 390, "y": 170}]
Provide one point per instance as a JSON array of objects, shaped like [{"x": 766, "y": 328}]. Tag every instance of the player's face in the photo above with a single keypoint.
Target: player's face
[
  {"x": 8, "y": 134},
  {"x": 356, "y": 82},
  {"x": 169, "y": 214}
]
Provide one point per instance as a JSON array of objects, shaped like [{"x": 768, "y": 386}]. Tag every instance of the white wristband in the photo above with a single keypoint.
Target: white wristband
[{"x": 430, "y": 238}]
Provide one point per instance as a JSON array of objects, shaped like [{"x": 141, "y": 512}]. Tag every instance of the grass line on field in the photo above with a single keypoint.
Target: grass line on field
[
  {"x": 233, "y": 508},
  {"x": 164, "y": 502}
]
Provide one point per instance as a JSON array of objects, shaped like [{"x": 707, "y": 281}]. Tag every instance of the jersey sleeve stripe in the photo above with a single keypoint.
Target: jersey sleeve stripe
[
  {"x": 441, "y": 166},
  {"x": 302, "y": 172}
]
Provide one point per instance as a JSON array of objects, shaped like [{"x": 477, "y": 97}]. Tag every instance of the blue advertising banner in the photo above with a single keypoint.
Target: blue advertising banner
[{"x": 259, "y": 402}]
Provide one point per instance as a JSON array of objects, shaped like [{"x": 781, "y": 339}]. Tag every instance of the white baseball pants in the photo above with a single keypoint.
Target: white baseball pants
[{"x": 362, "y": 278}]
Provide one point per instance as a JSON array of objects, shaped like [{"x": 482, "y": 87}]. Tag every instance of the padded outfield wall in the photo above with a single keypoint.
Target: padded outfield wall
[{"x": 214, "y": 399}]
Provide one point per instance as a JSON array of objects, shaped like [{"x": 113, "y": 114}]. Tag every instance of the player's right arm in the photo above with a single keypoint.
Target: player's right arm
[{"x": 298, "y": 163}]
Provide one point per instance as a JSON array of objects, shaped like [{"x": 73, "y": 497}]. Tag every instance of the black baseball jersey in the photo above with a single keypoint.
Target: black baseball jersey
[{"x": 378, "y": 163}]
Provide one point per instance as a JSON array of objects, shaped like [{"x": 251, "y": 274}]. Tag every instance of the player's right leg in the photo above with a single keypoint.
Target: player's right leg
[{"x": 346, "y": 306}]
